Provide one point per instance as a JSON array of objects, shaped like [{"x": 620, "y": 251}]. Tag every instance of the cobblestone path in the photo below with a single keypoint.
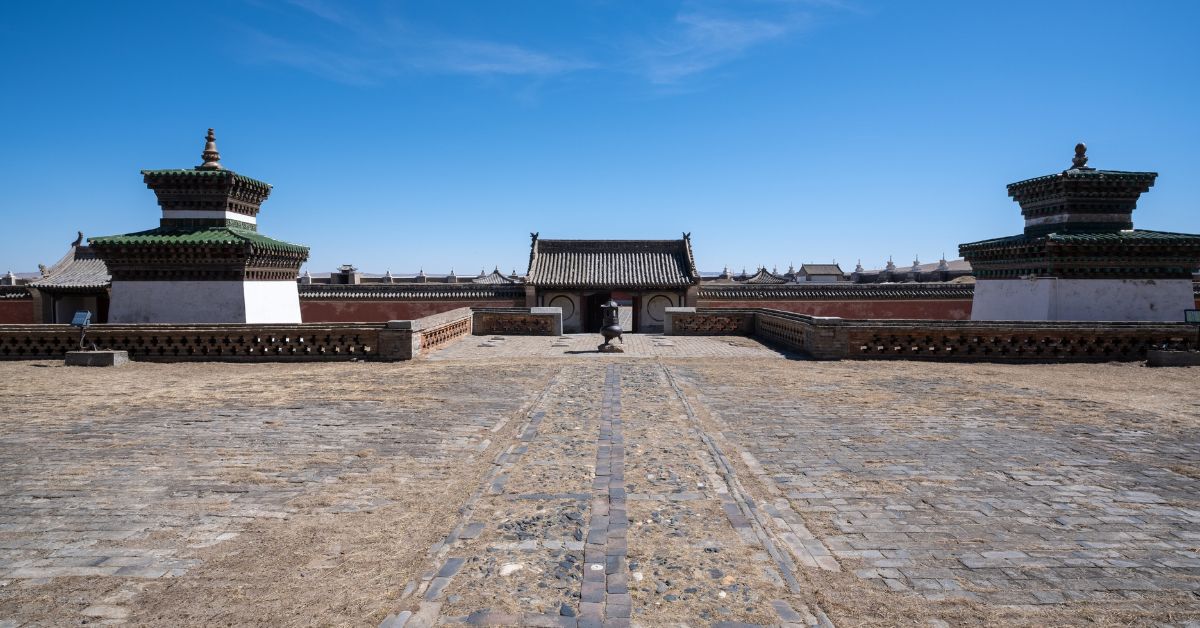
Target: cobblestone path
[{"x": 655, "y": 531}]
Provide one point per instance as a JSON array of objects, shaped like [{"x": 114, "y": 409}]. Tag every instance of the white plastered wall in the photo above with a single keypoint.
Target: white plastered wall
[
  {"x": 651, "y": 317},
  {"x": 569, "y": 303},
  {"x": 204, "y": 302},
  {"x": 1050, "y": 299},
  {"x": 272, "y": 302}
]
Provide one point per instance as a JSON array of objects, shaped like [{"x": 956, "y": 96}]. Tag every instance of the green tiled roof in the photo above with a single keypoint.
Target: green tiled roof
[
  {"x": 1133, "y": 236},
  {"x": 197, "y": 237},
  {"x": 1097, "y": 175},
  {"x": 190, "y": 172}
]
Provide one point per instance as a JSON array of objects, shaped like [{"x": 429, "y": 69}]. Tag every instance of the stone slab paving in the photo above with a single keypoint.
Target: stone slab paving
[
  {"x": 988, "y": 491},
  {"x": 106, "y": 506},
  {"x": 582, "y": 346},
  {"x": 628, "y": 490}
]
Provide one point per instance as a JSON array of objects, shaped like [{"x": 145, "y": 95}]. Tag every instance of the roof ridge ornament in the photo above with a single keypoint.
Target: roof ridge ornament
[
  {"x": 212, "y": 158},
  {"x": 1079, "y": 161}
]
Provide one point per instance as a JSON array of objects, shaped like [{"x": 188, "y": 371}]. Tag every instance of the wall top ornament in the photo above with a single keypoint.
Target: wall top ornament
[{"x": 1079, "y": 161}]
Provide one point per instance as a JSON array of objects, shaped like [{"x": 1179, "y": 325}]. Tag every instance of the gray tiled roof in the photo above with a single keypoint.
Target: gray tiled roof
[
  {"x": 78, "y": 270},
  {"x": 821, "y": 269},
  {"x": 765, "y": 277},
  {"x": 612, "y": 264},
  {"x": 495, "y": 278}
]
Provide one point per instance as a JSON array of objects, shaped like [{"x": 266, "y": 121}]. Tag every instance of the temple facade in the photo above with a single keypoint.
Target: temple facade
[
  {"x": 78, "y": 281},
  {"x": 643, "y": 276},
  {"x": 1080, "y": 259},
  {"x": 206, "y": 261}
]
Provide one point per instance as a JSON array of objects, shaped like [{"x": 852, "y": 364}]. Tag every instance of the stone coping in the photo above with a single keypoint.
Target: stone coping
[
  {"x": 832, "y": 338},
  {"x": 911, "y": 322}
]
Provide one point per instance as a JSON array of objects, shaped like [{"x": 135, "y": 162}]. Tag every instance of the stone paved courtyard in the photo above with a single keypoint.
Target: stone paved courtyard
[
  {"x": 697, "y": 481},
  {"x": 582, "y": 346}
]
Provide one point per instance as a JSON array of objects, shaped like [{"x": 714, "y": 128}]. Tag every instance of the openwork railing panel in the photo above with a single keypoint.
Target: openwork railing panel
[
  {"x": 209, "y": 342},
  {"x": 712, "y": 324},
  {"x": 514, "y": 323},
  {"x": 1085, "y": 344},
  {"x": 787, "y": 332},
  {"x": 434, "y": 337}
]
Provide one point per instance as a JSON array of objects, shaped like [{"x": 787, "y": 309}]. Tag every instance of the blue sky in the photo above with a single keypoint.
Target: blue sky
[{"x": 437, "y": 135}]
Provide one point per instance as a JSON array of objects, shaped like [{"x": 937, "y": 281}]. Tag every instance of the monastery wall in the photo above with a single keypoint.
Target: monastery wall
[
  {"x": 361, "y": 311},
  {"x": 354, "y": 310},
  {"x": 948, "y": 309},
  {"x": 18, "y": 312}
]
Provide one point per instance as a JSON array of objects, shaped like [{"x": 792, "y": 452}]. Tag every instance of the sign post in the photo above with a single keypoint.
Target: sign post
[{"x": 82, "y": 319}]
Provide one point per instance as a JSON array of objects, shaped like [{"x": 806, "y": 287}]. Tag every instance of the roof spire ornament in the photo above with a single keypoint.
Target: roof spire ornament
[
  {"x": 212, "y": 158},
  {"x": 1079, "y": 161}
]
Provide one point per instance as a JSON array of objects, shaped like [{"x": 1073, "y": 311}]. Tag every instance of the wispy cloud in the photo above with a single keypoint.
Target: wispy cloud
[
  {"x": 700, "y": 41},
  {"x": 343, "y": 67},
  {"x": 351, "y": 47},
  {"x": 354, "y": 50},
  {"x": 462, "y": 56}
]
